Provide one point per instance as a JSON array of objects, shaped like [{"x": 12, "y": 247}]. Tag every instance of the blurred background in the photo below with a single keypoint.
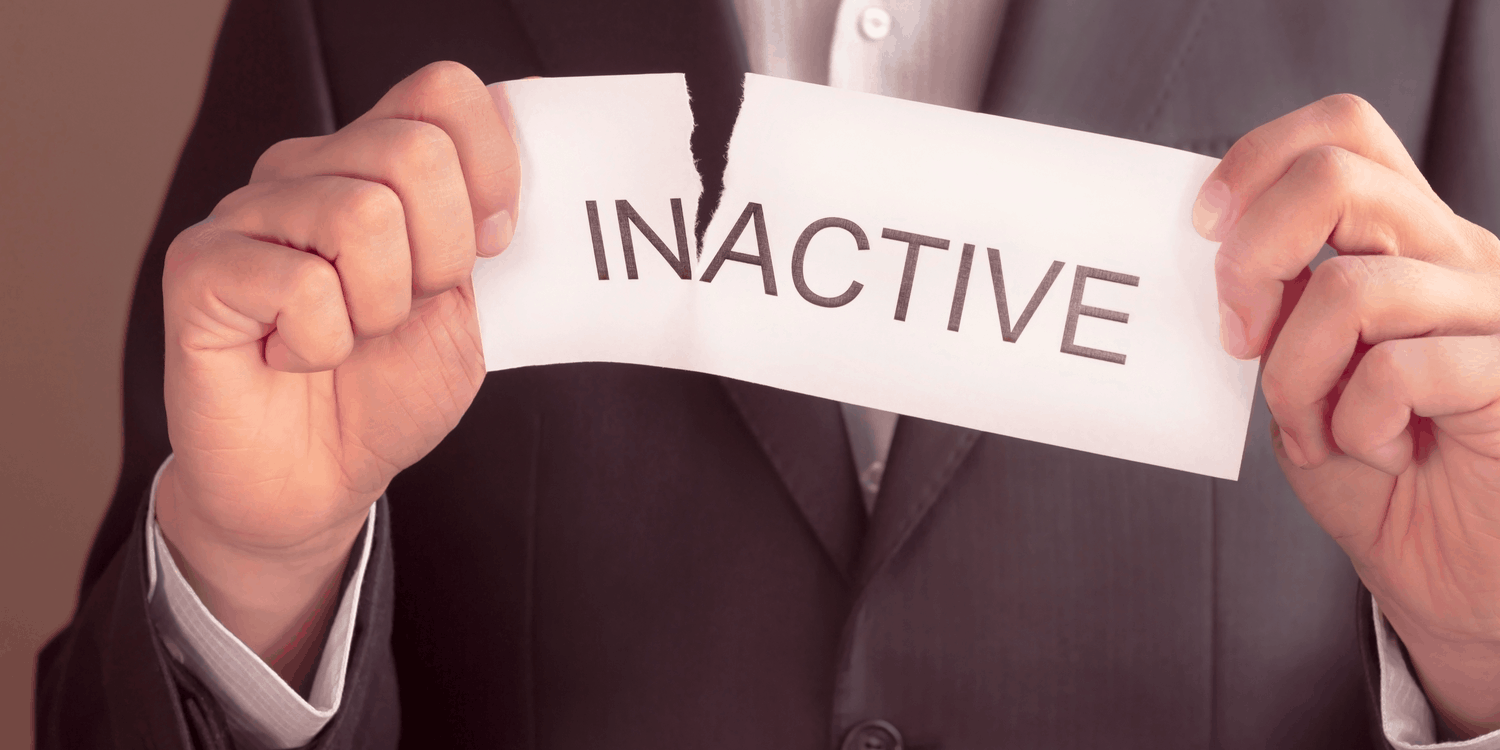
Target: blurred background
[{"x": 95, "y": 101}]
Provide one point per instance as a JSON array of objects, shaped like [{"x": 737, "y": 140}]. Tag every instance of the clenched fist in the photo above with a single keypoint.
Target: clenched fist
[
  {"x": 321, "y": 337},
  {"x": 1382, "y": 371}
]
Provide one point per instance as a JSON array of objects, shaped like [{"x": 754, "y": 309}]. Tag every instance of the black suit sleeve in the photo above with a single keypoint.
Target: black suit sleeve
[
  {"x": 104, "y": 682},
  {"x": 1462, "y": 161}
]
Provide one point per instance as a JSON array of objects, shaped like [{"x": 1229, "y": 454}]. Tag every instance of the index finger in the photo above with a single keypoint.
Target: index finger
[
  {"x": 1257, "y": 160},
  {"x": 452, "y": 97}
]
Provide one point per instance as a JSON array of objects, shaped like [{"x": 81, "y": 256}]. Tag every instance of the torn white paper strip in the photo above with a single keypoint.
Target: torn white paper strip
[
  {"x": 1011, "y": 277},
  {"x": 585, "y": 143}
]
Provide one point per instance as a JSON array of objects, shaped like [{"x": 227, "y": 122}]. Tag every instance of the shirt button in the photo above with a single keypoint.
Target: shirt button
[
  {"x": 875, "y": 24},
  {"x": 872, "y": 735},
  {"x": 870, "y": 478}
]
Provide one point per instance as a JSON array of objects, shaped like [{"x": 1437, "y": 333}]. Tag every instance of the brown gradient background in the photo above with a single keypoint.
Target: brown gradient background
[{"x": 95, "y": 101}]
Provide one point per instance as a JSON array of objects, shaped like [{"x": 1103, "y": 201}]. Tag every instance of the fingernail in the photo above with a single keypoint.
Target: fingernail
[
  {"x": 1232, "y": 332},
  {"x": 1211, "y": 208},
  {"x": 1293, "y": 451},
  {"x": 494, "y": 234}
]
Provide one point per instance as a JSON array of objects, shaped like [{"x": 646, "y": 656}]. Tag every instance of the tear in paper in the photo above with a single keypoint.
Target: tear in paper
[{"x": 1015, "y": 278}]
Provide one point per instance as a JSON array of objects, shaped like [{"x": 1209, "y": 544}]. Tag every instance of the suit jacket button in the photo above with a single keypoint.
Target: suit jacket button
[{"x": 872, "y": 735}]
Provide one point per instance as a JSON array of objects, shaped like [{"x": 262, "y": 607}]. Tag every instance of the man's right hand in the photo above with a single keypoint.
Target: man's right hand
[{"x": 321, "y": 336}]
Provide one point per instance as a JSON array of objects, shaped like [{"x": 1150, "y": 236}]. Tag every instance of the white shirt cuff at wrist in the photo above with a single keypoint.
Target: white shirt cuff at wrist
[
  {"x": 1406, "y": 717},
  {"x": 263, "y": 709}
]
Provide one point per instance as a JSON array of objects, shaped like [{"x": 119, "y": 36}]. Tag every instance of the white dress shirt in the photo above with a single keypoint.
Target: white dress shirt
[{"x": 934, "y": 51}]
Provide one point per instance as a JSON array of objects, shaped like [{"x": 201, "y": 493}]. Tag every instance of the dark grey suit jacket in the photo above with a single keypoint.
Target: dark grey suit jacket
[{"x": 606, "y": 555}]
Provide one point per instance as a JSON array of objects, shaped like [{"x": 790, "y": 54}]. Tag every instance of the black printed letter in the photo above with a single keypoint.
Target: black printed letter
[
  {"x": 1077, "y": 308},
  {"x": 627, "y": 215},
  {"x": 763, "y": 249},
  {"x": 961, "y": 287},
  {"x": 600, "y": 264},
  {"x": 914, "y": 245},
  {"x": 998, "y": 277},
  {"x": 799, "y": 255}
]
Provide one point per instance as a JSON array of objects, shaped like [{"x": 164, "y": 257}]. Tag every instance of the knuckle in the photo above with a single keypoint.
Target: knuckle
[
  {"x": 364, "y": 209},
  {"x": 1350, "y": 108},
  {"x": 1326, "y": 165},
  {"x": 386, "y": 315},
  {"x": 243, "y": 209},
  {"x": 1349, "y": 439},
  {"x": 1229, "y": 268},
  {"x": 323, "y": 335},
  {"x": 179, "y": 267},
  {"x": 1274, "y": 387},
  {"x": 1252, "y": 148},
  {"x": 339, "y": 347},
  {"x": 1350, "y": 436},
  {"x": 315, "y": 286},
  {"x": 443, "y": 273},
  {"x": 380, "y": 322},
  {"x": 1382, "y": 372},
  {"x": 186, "y": 268},
  {"x": 445, "y": 75},
  {"x": 325, "y": 354},
  {"x": 504, "y": 178},
  {"x": 233, "y": 203},
  {"x": 1382, "y": 367},
  {"x": 443, "y": 82},
  {"x": 379, "y": 307},
  {"x": 1353, "y": 110},
  {"x": 273, "y": 162},
  {"x": 1342, "y": 281},
  {"x": 422, "y": 149}
]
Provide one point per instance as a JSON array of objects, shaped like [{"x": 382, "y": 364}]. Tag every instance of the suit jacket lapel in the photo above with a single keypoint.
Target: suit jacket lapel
[
  {"x": 1048, "y": 60},
  {"x": 805, "y": 441},
  {"x": 924, "y": 457}
]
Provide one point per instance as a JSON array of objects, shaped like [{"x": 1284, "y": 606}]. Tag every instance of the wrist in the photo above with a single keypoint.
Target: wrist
[
  {"x": 278, "y": 600},
  {"x": 274, "y": 536},
  {"x": 1459, "y": 675}
]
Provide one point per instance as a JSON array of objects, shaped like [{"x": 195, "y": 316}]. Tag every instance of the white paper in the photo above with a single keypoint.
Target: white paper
[
  {"x": 1036, "y": 194},
  {"x": 597, "y": 139}
]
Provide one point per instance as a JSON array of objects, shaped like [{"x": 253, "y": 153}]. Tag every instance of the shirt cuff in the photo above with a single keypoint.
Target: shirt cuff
[
  {"x": 1405, "y": 715},
  {"x": 262, "y": 709}
]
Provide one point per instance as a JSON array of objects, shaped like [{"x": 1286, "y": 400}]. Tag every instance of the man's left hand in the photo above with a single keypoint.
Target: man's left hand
[{"x": 1381, "y": 370}]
